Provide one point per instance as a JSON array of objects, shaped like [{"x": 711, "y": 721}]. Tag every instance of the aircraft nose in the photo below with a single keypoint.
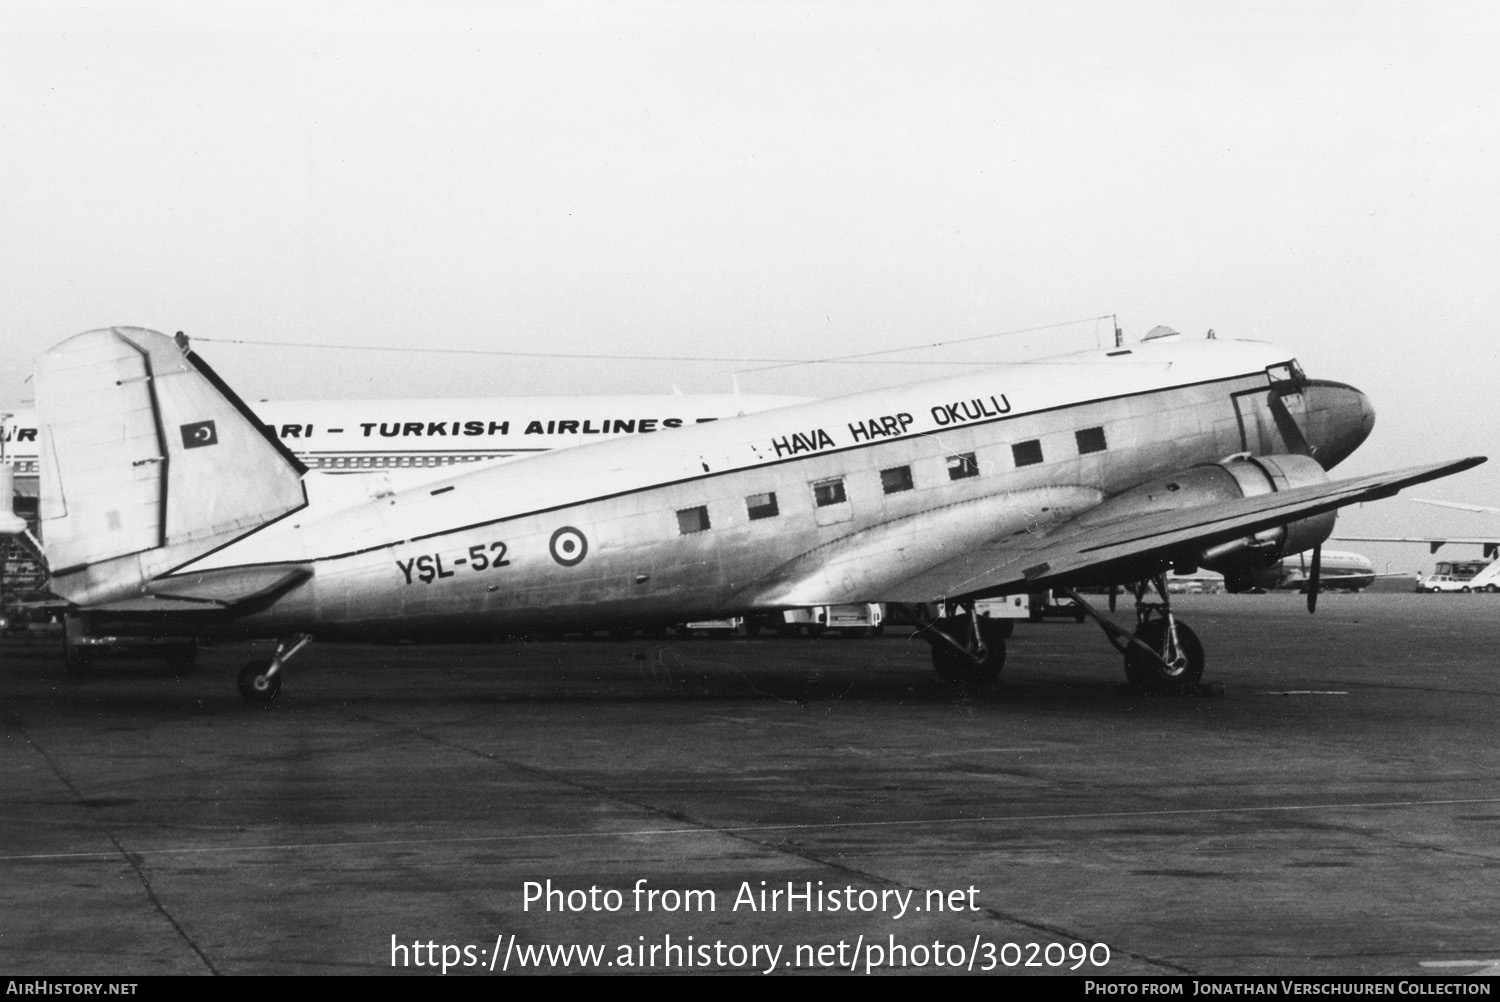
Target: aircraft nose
[{"x": 1340, "y": 419}]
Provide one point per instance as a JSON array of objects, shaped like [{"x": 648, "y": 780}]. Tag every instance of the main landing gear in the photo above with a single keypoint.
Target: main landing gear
[
  {"x": 1163, "y": 655},
  {"x": 260, "y": 681},
  {"x": 965, "y": 647}
]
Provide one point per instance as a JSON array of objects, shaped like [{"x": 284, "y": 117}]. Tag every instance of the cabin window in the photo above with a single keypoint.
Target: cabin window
[
  {"x": 962, "y": 466},
  {"x": 690, "y": 520},
  {"x": 1027, "y": 453},
  {"x": 1287, "y": 377},
  {"x": 1090, "y": 440},
  {"x": 896, "y": 479},
  {"x": 829, "y": 492},
  {"x": 762, "y": 505}
]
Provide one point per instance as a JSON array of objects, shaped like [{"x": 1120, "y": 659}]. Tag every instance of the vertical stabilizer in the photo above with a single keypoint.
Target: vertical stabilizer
[{"x": 147, "y": 460}]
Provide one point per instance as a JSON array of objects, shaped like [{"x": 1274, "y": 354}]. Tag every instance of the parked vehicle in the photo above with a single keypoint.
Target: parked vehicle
[{"x": 1462, "y": 576}]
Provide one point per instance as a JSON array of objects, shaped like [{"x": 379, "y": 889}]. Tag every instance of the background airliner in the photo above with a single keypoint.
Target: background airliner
[{"x": 359, "y": 436}]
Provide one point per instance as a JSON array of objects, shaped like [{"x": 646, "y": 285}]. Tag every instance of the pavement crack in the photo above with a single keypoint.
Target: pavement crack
[
  {"x": 132, "y": 860},
  {"x": 156, "y": 903}
]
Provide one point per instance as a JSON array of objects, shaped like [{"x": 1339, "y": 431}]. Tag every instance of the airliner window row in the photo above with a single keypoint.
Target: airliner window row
[
  {"x": 895, "y": 480},
  {"x": 28, "y": 467},
  {"x": 385, "y": 461}
]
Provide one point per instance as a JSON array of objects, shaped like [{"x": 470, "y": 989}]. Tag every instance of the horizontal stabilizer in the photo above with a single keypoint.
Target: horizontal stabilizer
[{"x": 231, "y": 587}]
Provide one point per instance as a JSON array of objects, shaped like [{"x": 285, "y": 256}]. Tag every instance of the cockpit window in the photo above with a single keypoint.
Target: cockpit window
[{"x": 1286, "y": 377}]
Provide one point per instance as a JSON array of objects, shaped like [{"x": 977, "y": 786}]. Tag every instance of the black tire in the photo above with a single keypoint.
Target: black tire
[
  {"x": 1004, "y": 628},
  {"x": 952, "y": 666},
  {"x": 255, "y": 685},
  {"x": 1145, "y": 672}
]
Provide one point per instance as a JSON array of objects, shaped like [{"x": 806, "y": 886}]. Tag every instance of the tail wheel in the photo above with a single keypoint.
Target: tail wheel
[
  {"x": 256, "y": 685},
  {"x": 1184, "y": 667},
  {"x": 955, "y": 667}
]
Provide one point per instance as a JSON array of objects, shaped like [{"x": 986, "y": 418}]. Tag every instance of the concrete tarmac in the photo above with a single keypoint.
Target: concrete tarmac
[{"x": 1335, "y": 812}]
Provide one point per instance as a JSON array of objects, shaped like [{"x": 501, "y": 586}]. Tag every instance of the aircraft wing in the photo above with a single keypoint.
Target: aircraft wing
[
  {"x": 1491, "y": 544},
  {"x": 1080, "y": 549},
  {"x": 1457, "y": 504}
]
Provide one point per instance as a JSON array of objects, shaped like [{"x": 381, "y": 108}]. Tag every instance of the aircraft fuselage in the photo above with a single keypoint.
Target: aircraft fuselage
[{"x": 706, "y": 521}]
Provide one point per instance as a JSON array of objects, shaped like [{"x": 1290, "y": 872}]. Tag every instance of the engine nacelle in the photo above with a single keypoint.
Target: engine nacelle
[
  {"x": 1237, "y": 558},
  {"x": 1230, "y": 480}
]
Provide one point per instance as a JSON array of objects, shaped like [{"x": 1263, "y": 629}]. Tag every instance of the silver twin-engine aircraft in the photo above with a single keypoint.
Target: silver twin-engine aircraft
[{"x": 167, "y": 507}]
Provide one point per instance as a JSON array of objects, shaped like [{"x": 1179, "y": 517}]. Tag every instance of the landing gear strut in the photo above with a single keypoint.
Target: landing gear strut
[
  {"x": 1163, "y": 655},
  {"x": 260, "y": 681},
  {"x": 965, "y": 647}
]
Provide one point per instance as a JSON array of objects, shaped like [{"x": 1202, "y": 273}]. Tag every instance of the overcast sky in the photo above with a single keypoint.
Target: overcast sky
[{"x": 769, "y": 180}]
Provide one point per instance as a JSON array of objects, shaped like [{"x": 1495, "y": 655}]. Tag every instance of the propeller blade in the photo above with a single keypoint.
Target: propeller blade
[
  {"x": 1313, "y": 578},
  {"x": 1291, "y": 434}
]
